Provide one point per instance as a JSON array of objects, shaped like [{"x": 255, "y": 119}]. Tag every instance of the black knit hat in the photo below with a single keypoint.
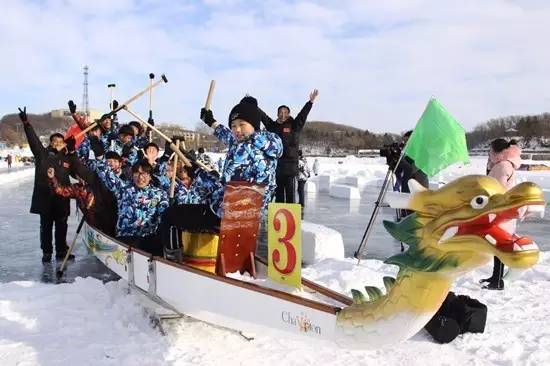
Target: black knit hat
[{"x": 247, "y": 110}]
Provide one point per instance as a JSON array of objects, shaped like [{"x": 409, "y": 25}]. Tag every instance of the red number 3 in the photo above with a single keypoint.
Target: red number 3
[{"x": 290, "y": 230}]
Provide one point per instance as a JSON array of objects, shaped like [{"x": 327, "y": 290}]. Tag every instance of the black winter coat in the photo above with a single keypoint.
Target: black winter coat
[
  {"x": 44, "y": 200},
  {"x": 289, "y": 132},
  {"x": 408, "y": 170}
]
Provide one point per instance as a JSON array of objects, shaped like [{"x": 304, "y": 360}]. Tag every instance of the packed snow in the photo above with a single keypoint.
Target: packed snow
[{"x": 89, "y": 322}]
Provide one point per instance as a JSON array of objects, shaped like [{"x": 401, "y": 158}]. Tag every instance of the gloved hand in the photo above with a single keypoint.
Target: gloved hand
[
  {"x": 71, "y": 144},
  {"x": 96, "y": 146},
  {"x": 126, "y": 150},
  {"x": 190, "y": 154},
  {"x": 215, "y": 174},
  {"x": 167, "y": 149},
  {"x": 23, "y": 115},
  {"x": 72, "y": 107},
  {"x": 115, "y": 104},
  {"x": 207, "y": 117}
]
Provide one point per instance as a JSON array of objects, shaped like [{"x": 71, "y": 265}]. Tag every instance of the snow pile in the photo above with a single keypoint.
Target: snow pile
[
  {"x": 346, "y": 192},
  {"x": 85, "y": 323},
  {"x": 320, "y": 242},
  {"x": 90, "y": 323},
  {"x": 16, "y": 175},
  {"x": 323, "y": 182},
  {"x": 310, "y": 187}
]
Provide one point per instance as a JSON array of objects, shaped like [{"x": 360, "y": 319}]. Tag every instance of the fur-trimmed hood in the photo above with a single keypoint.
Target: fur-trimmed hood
[{"x": 511, "y": 154}]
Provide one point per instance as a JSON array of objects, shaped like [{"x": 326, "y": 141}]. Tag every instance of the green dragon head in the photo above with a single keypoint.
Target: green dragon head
[{"x": 462, "y": 225}]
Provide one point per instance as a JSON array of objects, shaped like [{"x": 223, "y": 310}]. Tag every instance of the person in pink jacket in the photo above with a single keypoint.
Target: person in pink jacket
[{"x": 504, "y": 160}]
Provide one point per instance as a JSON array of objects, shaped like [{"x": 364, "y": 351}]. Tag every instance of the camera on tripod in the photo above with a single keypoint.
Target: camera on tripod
[{"x": 392, "y": 152}]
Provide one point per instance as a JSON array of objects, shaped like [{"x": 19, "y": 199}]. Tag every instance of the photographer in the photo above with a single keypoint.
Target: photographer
[{"x": 407, "y": 170}]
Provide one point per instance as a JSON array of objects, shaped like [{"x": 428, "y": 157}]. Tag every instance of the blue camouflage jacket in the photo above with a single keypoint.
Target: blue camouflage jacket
[
  {"x": 197, "y": 193},
  {"x": 83, "y": 151},
  {"x": 139, "y": 209},
  {"x": 253, "y": 160}
]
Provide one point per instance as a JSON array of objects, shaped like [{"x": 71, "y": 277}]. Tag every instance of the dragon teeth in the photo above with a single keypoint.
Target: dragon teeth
[
  {"x": 449, "y": 233},
  {"x": 492, "y": 217},
  {"x": 530, "y": 247},
  {"x": 490, "y": 239},
  {"x": 517, "y": 248},
  {"x": 537, "y": 210}
]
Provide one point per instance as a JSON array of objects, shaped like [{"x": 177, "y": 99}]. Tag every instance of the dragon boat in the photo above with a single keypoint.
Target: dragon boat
[{"x": 452, "y": 231}]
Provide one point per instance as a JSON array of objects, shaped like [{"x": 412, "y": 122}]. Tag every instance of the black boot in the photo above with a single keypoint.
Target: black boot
[
  {"x": 46, "y": 257},
  {"x": 495, "y": 282},
  {"x": 61, "y": 256}
]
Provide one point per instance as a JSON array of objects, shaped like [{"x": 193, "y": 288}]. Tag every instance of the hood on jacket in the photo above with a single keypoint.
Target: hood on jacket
[{"x": 511, "y": 154}]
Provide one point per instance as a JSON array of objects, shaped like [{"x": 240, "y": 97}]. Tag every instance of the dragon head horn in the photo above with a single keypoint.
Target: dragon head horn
[
  {"x": 415, "y": 187},
  {"x": 403, "y": 200}
]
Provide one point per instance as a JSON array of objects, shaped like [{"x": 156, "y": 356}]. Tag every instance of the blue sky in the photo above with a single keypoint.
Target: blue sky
[{"x": 375, "y": 63}]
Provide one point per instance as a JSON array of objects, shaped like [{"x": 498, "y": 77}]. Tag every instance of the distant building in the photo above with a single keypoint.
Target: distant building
[{"x": 94, "y": 113}]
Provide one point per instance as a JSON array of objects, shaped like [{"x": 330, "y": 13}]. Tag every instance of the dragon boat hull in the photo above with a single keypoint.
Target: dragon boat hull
[{"x": 222, "y": 301}]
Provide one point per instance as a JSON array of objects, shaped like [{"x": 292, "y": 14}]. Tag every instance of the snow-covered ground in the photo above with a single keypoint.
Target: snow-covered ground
[{"x": 89, "y": 322}]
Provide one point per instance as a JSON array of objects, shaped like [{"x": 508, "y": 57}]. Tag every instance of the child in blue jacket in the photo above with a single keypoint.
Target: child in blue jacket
[{"x": 252, "y": 155}]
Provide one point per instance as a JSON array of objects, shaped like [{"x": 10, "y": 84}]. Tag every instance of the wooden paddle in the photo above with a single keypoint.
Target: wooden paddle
[
  {"x": 185, "y": 160},
  {"x": 163, "y": 79}
]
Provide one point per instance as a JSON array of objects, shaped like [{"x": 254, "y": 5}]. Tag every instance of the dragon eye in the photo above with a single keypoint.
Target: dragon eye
[{"x": 478, "y": 202}]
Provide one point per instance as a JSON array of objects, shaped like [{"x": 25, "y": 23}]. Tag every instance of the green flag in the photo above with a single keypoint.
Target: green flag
[{"x": 437, "y": 141}]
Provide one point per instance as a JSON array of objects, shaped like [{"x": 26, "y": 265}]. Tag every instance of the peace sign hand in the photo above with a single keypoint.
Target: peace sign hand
[
  {"x": 23, "y": 115},
  {"x": 313, "y": 95}
]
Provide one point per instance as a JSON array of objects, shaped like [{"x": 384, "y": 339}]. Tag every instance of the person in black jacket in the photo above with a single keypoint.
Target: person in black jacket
[
  {"x": 288, "y": 129},
  {"x": 407, "y": 170},
  {"x": 53, "y": 209}
]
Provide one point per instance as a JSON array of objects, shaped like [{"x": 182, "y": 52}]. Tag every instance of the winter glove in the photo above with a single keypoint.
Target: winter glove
[
  {"x": 96, "y": 146},
  {"x": 71, "y": 144},
  {"x": 151, "y": 121},
  {"x": 214, "y": 173},
  {"x": 115, "y": 104},
  {"x": 167, "y": 149},
  {"x": 72, "y": 107},
  {"x": 23, "y": 115},
  {"x": 126, "y": 150},
  {"x": 207, "y": 117}
]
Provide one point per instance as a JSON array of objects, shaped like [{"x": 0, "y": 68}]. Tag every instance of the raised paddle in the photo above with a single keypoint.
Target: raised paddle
[
  {"x": 163, "y": 79},
  {"x": 208, "y": 102},
  {"x": 150, "y": 120},
  {"x": 185, "y": 160}
]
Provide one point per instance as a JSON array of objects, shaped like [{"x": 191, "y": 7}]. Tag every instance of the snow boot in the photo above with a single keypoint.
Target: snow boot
[
  {"x": 495, "y": 282},
  {"x": 61, "y": 256}
]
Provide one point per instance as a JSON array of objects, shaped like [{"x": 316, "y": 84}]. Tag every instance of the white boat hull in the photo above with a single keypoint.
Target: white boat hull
[{"x": 222, "y": 301}]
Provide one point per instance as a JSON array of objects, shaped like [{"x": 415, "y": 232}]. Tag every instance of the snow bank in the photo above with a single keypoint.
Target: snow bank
[
  {"x": 310, "y": 187},
  {"x": 324, "y": 182},
  {"x": 91, "y": 323},
  {"x": 320, "y": 242},
  {"x": 342, "y": 191},
  {"x": 16, "y": 176}
]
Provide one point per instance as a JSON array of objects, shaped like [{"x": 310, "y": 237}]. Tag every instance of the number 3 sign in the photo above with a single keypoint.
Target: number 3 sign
[{"x": 284, "y": 243}]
